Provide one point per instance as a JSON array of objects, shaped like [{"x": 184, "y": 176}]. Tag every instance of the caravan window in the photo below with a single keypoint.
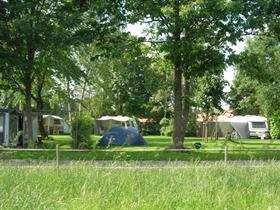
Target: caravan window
[
  {"x": 258, "y": 125},
  {"x": 57, "y": 121}
]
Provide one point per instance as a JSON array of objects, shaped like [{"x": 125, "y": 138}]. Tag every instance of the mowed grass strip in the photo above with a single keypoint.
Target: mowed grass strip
[
  {"x": 80, "y": 186},
  {"x": 155, "y": 150}
]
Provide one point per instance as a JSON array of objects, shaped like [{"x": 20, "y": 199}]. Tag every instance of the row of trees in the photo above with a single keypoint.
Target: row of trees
[
  {"x": 68, "y": 55},
  {"x": 255, "y": 89},
  {"x": 256, "y": 86}
]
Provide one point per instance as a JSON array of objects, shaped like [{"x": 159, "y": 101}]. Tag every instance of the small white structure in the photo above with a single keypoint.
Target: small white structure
[
  {"x": 102, "y": 124},
  {"x": 55, "y": 125},
  {"x": 244, "y": 126}
]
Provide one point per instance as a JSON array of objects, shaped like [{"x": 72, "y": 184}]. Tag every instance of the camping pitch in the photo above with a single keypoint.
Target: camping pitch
[
  {"x": 104, "y": 123},
  {"x": 122, "y": 137},
  {"x": 245, "y": 126},
  {"x": 55, "y": 125}
]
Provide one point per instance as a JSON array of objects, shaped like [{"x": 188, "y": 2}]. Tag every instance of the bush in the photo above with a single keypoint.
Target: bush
[
  {"x": 166, "y": 127},
  {"x": 191, "y": 126},
  {"x": 149, "y": 128},
  {"x": 82, "y": 127},
  {"x": 275, "y": 127}
]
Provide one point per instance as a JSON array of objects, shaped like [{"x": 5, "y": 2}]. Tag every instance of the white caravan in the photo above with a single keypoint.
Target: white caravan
[
  {"x": 104, "y": 123},
  {"x": 244, "y": 126}
]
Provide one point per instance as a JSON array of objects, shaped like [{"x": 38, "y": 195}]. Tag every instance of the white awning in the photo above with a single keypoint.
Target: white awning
[
  {"x": 115, "y": 118},
  {"x": 52, "y": 116}
]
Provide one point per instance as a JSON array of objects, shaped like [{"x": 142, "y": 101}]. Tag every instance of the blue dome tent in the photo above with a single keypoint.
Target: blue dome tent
[{"x": 122, "y": 137}]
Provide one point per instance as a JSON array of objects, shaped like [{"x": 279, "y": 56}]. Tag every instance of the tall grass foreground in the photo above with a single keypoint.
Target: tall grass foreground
[{"x": 195, "y": 186}]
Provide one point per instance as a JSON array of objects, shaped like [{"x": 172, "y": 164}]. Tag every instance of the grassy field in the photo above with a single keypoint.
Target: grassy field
[
  {"x": 162, "y": 142},
  {"x": 155, "y": 150},
  {"x": 78, "y": 186}
]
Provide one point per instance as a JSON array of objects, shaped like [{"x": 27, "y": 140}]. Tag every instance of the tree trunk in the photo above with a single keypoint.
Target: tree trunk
[
  {"x": 69, "y": 101},
  {"x": 186, "y": 100},
  {"x": 40, "y": 103},
  {"x": 178, "y": 130},
  {"x": 28, "y": 79},
  {"x": 28, "y": 114},
  {"x": 40, "y": 107}
]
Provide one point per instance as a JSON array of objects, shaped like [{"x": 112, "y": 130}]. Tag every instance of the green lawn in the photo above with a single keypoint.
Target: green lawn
[
  {"x": 78, "y": 186},
  {"x": 156, "y": 143},
  {"x": 155, "y": 150}
]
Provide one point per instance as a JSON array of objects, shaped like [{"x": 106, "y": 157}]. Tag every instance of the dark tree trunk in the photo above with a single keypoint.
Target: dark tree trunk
[
  {"x": 28, "y": 113},
  {"x": 40, "y": 102},
  {"x": 178, "y": 130},
  {"x": 186, "y": 100},
  {"x": 28, "y": 79},
  {"x": 40, "y": 107},
  {"x": 69, "y": 101}
]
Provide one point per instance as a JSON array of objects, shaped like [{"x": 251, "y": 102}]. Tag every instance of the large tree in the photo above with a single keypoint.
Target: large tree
[
  {"x": 31, "y": 28},
  {"x": 194, "y": 35},
  {"x": 117, "y": 81}
]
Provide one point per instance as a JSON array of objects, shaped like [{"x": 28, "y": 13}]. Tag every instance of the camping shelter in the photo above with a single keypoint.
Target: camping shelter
[
  {"x": 55, "y": 125},
  {"x": 11, "y": 122},
  {"x": 122, "y": 137},
  {"x": 238, "y": 127},
  {"x": 244, "y": 126},
  {"x": 104, "y": 123}
]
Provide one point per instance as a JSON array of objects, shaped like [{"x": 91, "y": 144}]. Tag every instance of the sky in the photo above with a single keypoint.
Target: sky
[{"x": 137, "y": 30}]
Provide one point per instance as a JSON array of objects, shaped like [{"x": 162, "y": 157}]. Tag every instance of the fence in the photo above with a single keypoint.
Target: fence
[{"x": 58, "y": 150}]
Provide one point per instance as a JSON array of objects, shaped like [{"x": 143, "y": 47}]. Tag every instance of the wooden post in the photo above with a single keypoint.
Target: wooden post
[
  {"x": 57, "y": 155},
  {"x": 226, "y": 153}
]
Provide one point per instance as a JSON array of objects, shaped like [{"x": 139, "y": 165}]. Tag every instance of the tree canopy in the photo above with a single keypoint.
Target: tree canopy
[{"x": 65, "y": 56}]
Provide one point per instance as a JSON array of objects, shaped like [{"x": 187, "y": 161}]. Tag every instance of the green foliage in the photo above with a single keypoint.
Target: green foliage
[
  {"x": 13, "y": 142},
  {"x": 256, "y": 88},
  {"x": 274, "y": 122},
  {"x": 194, "y": 36},
  {"x": 191, "y": 125},
  {"x": 82, "y": 127},
  {"x": 120, "y": 78},
  {"x": 32, "y": 32},
  {"x": 209, "y": 93},
  {"x": 243, "y": 96},
  {"x": 149, "y": 128},
  {"x": 166, "y": 126}
]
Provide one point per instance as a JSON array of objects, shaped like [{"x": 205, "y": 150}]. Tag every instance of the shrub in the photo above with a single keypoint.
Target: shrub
[
  {"x": 275, "y": 127},
  {"x": 82, "y": 127},
  {"x": 166, "y": 127},
  {"x": 191, "y": 126},
  {"x": 149, "y": 128},
  {"x": 197, "y": 145}
]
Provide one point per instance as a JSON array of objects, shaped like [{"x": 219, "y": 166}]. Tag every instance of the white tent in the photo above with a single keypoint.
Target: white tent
[{"x": 55, "y": 125}]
